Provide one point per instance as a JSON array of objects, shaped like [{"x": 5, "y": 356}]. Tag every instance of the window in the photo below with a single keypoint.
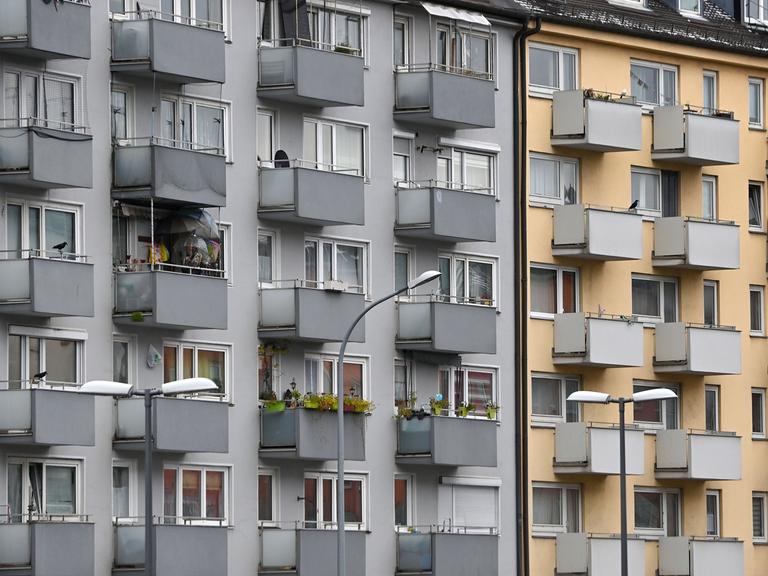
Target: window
[
  {"x": 265, "y": 137},
  {"x": 467, "y": 279},
  {"x": 203, "y": 13},
  {"x": 198, "y": 360},
  {"x": 51, "y": 99},
  {"x": 711, "y": 408},
  {"x": 711, "y": 303},
  {"x": 713, "y": 512},
  {"x": 327, "y": 260},
  {"x": 755, "y": 192},
  {"x": 117, "y": 6},
  {"x": 321, "y": 376},
  {"x": 554, "y": 290},
  {"x": 402, "y": 381},
  {"x": 709, "y": 83},
  {"x": 401, "y": 42},
  {"x": 401, "y": 159},
  {"x": 267, "y": 258},
  {"x": 654, "y": 84},
  {"x": 556, "y": 508},
  {"x": 34, "y": 351},
  {"x": 468, "y": 505},
  {"x": 123, "y": 490},
  {"x": 43, "y": 487},
  {"x": 756, "y": 105},
  {"x": 34, "y": 228},
  {"x": 332, "y": 28},
  {"x": 690, "y": 7},
  {"x": 403, "y": 259},
  {"x": 334, "y": 146},
  {"x": 225, "y": 260},
  {"x": 554, "y": 180},
  {"x": 121, "y": 112},
  {"x": 552, "y": 68},
  {"x": 654, "y": 299},
  {"x": 195, "y": 494},
  {"x": 709, "y": 197},
  {"x": 657, "y": 193},
  {"x": 657, "y": 511},
  {"x": 466, "y": 169},
  {"x": 759, "y": 516},
  {"x": 756, "y": 11},
  {"x": 267, "y": 497},
  {"x": 196, "y": 124},
  {"x": 269, "y": 370},
  {"x": 403, "y": 501},
  {"x": 550, "y": 392},
  {"x": 474, "y": 386},
  {"x": 658, "y": 414},
  {"x": 320, "y": 501},
  {"x": 756, "y": 310},
  {"x": 461, "y": 50},
  {"x": 123, "y": 359},
  {"x": 758, "y": 412}
]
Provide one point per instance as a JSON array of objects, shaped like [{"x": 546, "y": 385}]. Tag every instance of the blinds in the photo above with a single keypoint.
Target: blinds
[
  {"x": 475, "y": 506},
  {"x": 758, "y": 516}
]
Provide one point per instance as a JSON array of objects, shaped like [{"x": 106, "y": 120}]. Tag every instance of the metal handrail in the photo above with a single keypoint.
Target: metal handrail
[
  {"x": 608, "y": 208},
  {"x": 318, "y": 284},
  {"x": 449, "y": 185},
  {"x": 605, "y": 96},
  {"x": 167, "y": 143},
  {"x": 608, "y": 425},
  {"x": 448, "y": 299},
  {"x": 310, "y": 43},
  {"x": 606, "y": 316},
  {"x": 38, "y": 253},
  {"x": 166, "y": 267},
  {"x": 456, "y": 70},
  {"x": 702, "y": 432},
  {"x": 163, "y": 520},
  {"x": 40, "y": 384},
  {"x": 311, "y": 164},
  {"x": 35, "y": 122},
  {"x": 308, "y": 525},
  {"x": 706, "y": 111},
  {"x": 449, "y": 528},
  {"x": 708, "y": 220},
  {"x": 168, "y": 17},
  {"x": 39, "y": 517},
  {"x": 710, "y": 326}
]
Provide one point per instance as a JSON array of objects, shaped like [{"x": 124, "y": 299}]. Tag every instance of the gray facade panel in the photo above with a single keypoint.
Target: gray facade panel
[
  {"x": 63, "y": 549},
  {"x": 46, "y": 30},
  {"x": 317, "y": 553},
  {"x": 465, "y": 555},
  {"x": 46, "y": 418},
  {"x": 191, "y": 425},
  {"x": 447, "y": 441},
  {"x": 191, "y": 550},
  {"x": 449, "y": 328}
]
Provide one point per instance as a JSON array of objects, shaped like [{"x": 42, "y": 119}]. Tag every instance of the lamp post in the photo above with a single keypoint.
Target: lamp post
[
  {"x": 341, "y": 568},
  {"x": 589, "y": 397},
  {"x": 121, "y": 390}
]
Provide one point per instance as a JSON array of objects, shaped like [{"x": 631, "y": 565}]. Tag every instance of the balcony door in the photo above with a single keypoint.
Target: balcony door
[{"x": 41, "y": 488}]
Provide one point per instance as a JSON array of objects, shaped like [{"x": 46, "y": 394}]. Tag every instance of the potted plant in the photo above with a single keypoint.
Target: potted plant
[
  {"x": 271, "y": 403},
  {"x": 311, "y": 402},
  {"x": 463, "y": 409},
  {"x": 491, "y": 410},
  {"x": 357, "y": 405},
  {"x": 437, "y": 404}
]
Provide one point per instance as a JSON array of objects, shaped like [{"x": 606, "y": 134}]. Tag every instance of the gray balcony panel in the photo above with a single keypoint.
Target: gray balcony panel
[
  {"x": 45, "y": 157},
  {"x": 465, "y": 554},
  {"x": 447, "y": 215},
  {"x": 446, "y": 327},
  {"x": 577, "y": 553},
  {"x": 179, "y": 425},
  {"x": 311, "y": 77},
  {"x": 310, "y": 314},
  {"x": 590, "y": 124},
  {"x": 317, "y": 197},
  {"x": 688, "y": 349},
  {"x": 303, "y": 434},
  {"x": 170, "y": 175},
  {"x": 46, "y": 30},
  {"x": 690, "y": 138},
  {"x": 46, "y": 287},
  {"x": 447, "y": 441},
  {"x": 414, "y": 552},
  {"x": 696, "y": 244},
  {"x": 63, "y": 549},
  {"x": 175, "y": 51},
  {"x": 278, "y": 550},
  {"x": 686, "y": 556},
  {"x": 438, "y": 98},
  {"x": 16, "y": 548},
  {"x": 597, "y": 234},
  {"x": 42, "y": 417},
  {"x": 697, "y": 456},
  {"x": 171, "y": 300},
  {"x": 587, "y": 449},
  {"x": 317, "y": 553},
  {"x": 597, "y": 341}
]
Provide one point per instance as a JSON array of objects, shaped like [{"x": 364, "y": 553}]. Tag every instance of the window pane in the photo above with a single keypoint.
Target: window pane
[
  {"x": 209, "y": 124},
  {"x": 15, "y": 491},
  {"x": 329, "y": 499},
  {"x": 353, "y": 501},
  {"x": 265, "y": 498},
  {"x": 543, "y": 290},
  {"x": 212, "y": 364},
  {"x": 480, "y": 282},
  {"x": 478, "y": 170},
  {"x": 11, "y": 85},
  {"x": 544, "y": 178},
  {"x": 401, "y": 384},
  {"x": 61, "y": 361},
  {"x": 401, "y": 270},
  {"x": 758, "y": 415},
  {"x": 479, "y": 389},
  {"x": 645, "y": 83},
  {"x": 477, "y": 50},
  {"x": 670, "y": 87},
  {"x": 646, "y": 189},
  {"x": 758, "y": 517},
  {"x": 710, "y": 304},
  {"x": 191, "y": 493},
  {"x": 33, "y": 357},
  {"x": 169, "y": 363},
  {"x": 709, "y": 100},
  {"x": 708, "y": 199},
  {"x": 214, "y": 494},
  {"x": 264, "y": 138},
  {"x": 646, "y": 297},
  {"x": 571, "y": 408},
  {"x": 120, "y": 491},
  {"x": 755, "y": 311},
  {"x": 310, "y": 261},
  {"x": 60, "y": 489},
  {"x": 649, "y": 411},
  {"x": 755, "y": 206},
  {"x": 547, "y": 397},
  {"x": 713, "y": 513},
  {"x": 35, "y": 230},
  {"x": 398, "y": 43},
  {"x": 547, "y": 506},
  {"x": 13, "y": 230},
  {"x": 14, "y": 362},
  {"x": 60, "y": 228},
  {"x": 187, "y": 362},
  {"x": 444, "y": 267},
  {"x": 120, "y": 361},
  {"x": 673, "y": 514},
  {"x": 648, "y": 508},
  {"x": 670, "y": 302},
  {"x": 711, "y": 409},
  {"x": 310, "y": 502},
  {"x": 569, "y": 291},
  {"x": 59, "y": 102},
  {"x": 353, "y": 379},
  {"x": 310, "y": 141},
  {"x": 169, "y": 493},
  {"x": 349, "y": 147},
  {"x": 755, "y": 96},
  {"x": 568, "y": 178},
  {"x": 119, "y": 114},
  {"x": 401, "y": 502},
  {"x": 265, "y": 258},
  {"x": 544, "y": 68},
  {"x": 349, "y": 265},
  {"x": 569, "y": 71},
  {"x": 573, "y": 504}
]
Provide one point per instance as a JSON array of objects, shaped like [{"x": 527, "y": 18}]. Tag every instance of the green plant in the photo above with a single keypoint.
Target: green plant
[
  {"x": 344, "y": 48},
  {"x": 491, "y": 410},
  {"x": 404, "y": 412},
  {"x": 357, "y": 405},
  {"x": 437, "y": 405},
  {"x": 137, "y": 317},
  {"x": 464, "y": 409},
  {"x": 274, "y": 405},
  {"x": 268, "y": 396}
]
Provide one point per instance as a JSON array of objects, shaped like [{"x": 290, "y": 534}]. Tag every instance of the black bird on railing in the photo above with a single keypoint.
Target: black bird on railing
[
  {"x": 138, "y": 8},
  {"x": 39, "y": 376},
  {"x": 633, "y": 205},
  {"x": 60, "y": 247}
]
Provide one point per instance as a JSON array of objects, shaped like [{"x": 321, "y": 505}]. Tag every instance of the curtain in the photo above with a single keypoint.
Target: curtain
[
  {"x": 708, "y": 199},
  {"x": 755, "y": 98},
  {"x": 569, "y": 291},
  {"x": 401, "y": 385},
  {"x": 401, "y": 270},
  {"x": 648, "y": 509},
  {"x": 545, "y": 69},
  {"x": 59, "y": 102},
  {"x": 670, "y": 302},
  {"x": 755, "y": 311},
  {"x": 569, "y": 71},
  {"x": 212, "y": 364},
  {"x": 311, "y": 368},
  {"x": 670, "y": 193},
  {"x": 646, "y": 297},
  {"x": 543, "y": 290},
  {"x": 353, "y": 501},
  {"x": 673, "y": 514},
  {"x": 755, "y": 206},
  {"x": 119, "y": 121},
  {"x": 310, "y": 261},
  {"x": 544, "y": 176},
  {"x": 645, "y": 83},
  {"x": 478, "y": 170},
  {"x": 444, "y": 282},
  {"x": 265, "y": 258},
  {"x": 120, "y": 361},
  {"x": 214, "y": 494},
  {"x": 11, "y": 95},
  {"x": 670, "y": 87},
  {"x": 168, "y": 120},
  {"x": 60, "y": 483},
  {"x": 310, "y": 502},
  {"x": 191, "y": 493},
  {"x": 480, "y": 282},
  {"x": 120, "y": 491},
  {"x": 265, "y": 498},
  {"x": 349, "y": 265},
  {"x": 36, "y": 487},
  {"x": 209, "y": 10},
  {"x": 479, "y": 389},
  {"x": 546, "y": 396},
  {"x": 547, "y": 506},
  {"x": 568, "y": 182},
  {"x": 15, "y": 492},
  {"x": 571, "y": 408},
  {"x": 349, "y": 148},
  {"x": 210, "y": 127},
  {"x": 573, "y": 523}
]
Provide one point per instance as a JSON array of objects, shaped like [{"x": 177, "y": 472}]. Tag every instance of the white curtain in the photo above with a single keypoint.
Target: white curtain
[
  {"x": 210, "y": 127},
  {"x": 349, "y": 147},
  {"x": 59, "y": 102},
  {"x": 349, "y": 265},
  {"x": 543, "y": 290},
  {"x": 544, "y": 177},
  {"x": 547, "y": 506},
  {"x": 645, "y": 83},
  {"x": 546, "y": 396},
  {"x": 646, "y": 297}
]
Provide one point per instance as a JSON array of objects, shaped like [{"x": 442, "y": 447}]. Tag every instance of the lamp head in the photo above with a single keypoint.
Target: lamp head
[
  {"x": 106, "y": 388},
  {"x": 590, "y": 397},
  {"x": 423, "y": 278},
  {"x": 189, "y": 385},
  {"x": 653, "y": 394}
]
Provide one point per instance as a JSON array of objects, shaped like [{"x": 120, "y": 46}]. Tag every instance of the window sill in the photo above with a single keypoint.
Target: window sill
[
  {"x": 756, "y": 128},
  {"x": 760, "y": 438},
  {"x": 759, "y": 542},
  {"x": 538, "y": 316},
  {"x": 550, "y": 535},
  {"x": 543, "y": 93},
  {"x": 756, "y": 335},
  {"x": 757, "y": 231},
  {"x": 543, "y": 204}
]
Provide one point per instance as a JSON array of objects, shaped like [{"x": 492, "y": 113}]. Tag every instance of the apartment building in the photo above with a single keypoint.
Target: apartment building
[
  {"x": 215, "y": 189},
  {"x": 645, "y": 237}
]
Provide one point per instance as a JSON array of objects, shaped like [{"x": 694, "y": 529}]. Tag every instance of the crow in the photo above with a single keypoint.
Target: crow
[
  {"x": 633, "y": 205},
  {"x": 60, "y": 246},
  {"x": 39, "y": 376}
]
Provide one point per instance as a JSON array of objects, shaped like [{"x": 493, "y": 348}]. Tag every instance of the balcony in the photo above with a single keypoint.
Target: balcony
[
  {"x": 697, "y": 349},
  {"x": 180, "y": 425},
  {"x": 44, "y": 417},
  {"x": 174, "y": 298},
  {"x": 446, "y": 441},
  {"x": 318, "y": 75},
  {"x": 37, "y": 286},
  {"x": 37, "y": 153},
  {"x": 682, "y": 134},
  {"x": 445, "y": 97},
  {"x": 439, "y": 211},
  {"x": 447, "y": 553},
  {"x": 169, "y": 172},
  {"x": 180, "y": 549},
  {"x": 310, "y": 311},
  {"x": 591, "y": 233},
  {"x": 306, "y": 193},
  {"x": 598, "y": 121},
  {"x": 46, "y": 30},
  {"x": 689, "y": 455},
  {"x": 597, "y": 555},
  {"x": 693, "y": 556},
  {"x": 442, "y": 324},
  {"x": 601, "y": 340},
  {"x": 304, "y": 434},
  {"x": 696, "y": 244},
  {"x": 47, "y": 546},
  {"x": 168, "y": 47},
  {"x": 582, "y": 448},
  {"x": 309, "y": 551}
]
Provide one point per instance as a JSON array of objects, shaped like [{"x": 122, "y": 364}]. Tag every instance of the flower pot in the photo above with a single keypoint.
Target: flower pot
[
  {"x": 491, "y": 413},
  {"x": 462, "y": 412},
  {"x": 311, "y": 404},
  {"x": 275, "y": 406}
]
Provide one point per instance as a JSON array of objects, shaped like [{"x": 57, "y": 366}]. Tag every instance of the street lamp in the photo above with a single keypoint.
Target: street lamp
[
  {"x": 122, "y": 390},
  {"x": 589, "y": 397},
  {"x": 341, "y": 560}
]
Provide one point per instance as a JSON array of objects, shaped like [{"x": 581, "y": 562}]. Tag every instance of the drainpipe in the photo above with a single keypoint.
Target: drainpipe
[{"x": 520, "y": 237}]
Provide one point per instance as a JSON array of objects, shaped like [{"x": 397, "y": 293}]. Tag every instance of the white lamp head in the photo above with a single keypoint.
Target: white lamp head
[
  {"x": 653, "y": 394},
  {"x": 106, "y": 388},
  {"x": 189, "y": 385},
  {"x": 589, "y": 396},
  {"x": 423, "y": 278}
]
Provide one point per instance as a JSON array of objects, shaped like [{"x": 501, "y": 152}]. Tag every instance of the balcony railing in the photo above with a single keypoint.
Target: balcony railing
[
  {"x": 696, "y": 243},
  {"x": 597, "y": 554},
  {"x": 448, "y": 551},
  {"x": 700, "y": 556},
  {"x": 311, "y": 73},
  {"x": 445, "y": 211},
  {"x": 596, "y": 233},
  {"x": 601, "y": 340},
  {"x": 592, "y": 448},
  {"x": 447, "y": 441},
  {"x": 698, "y": 455},
  {"x": 690, "y": 135},
  {"x": 172, "y": 47},
  {"x": 688, "y": 348}
]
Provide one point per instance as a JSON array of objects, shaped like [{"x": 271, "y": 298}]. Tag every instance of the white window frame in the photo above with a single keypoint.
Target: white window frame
[
  {"x": 363, "y": 361},
  {"x": 78, "y": 465},
  {"x": 547, "y": 91},
  {"x": 44, "y": 334},
  {"x": 760, "y": 392},
  {"x": 684, "y": 12},
  {"x": 227, "y": 264},
  {"x": 42, "y": 206},
  {"x": 661, "y": 280},
  {"x": 40, "y": 78},
  {"x": 550, "y": 530},
  {"x": 408, "y": 161},
  {"x": 559, "y": 280},
  {"x": 196, "y": 346},
  {"x": 275, "y": 236},
  {"x": 707, "y": 180},
  {"x": 536, "y": 199},
  {"x": 315, "y": 6},
  {"x": 664, "y": 424},
  {"x": 717, "y": 495},
  {"x": 761, "y": 197},
  {"x": 712, "y": 389},
  {"x": 410, "y": 509},
  {"x": 407, "y": 251},
  {"x": 131, "y": 342},
  {"x": 457, "y": 155},
  {"x": 133, "y": 491},
  {"x": 180, "y": 101},
  {"x": 760, "y": 83},
  {"x": 407, "y": 366},
  {"x": 714, "y": 285},
  {"x": 202, "y": 468},
  {"x": 462, "y": 259},
  {"x": 657, "y": 175},
  {"x": 332, "y": 476},
  {"x": 130, "y": 106},
  {"x": 273, "y": 139},
  {"x": 274, "y": 474},
  {"x": 407, "y": 23},
  {"x": 452, "y": 29},
  {"x": 664, "y": 530},
  {"x": 660, "y": 68},
  {"x": 334, "y": 124},
  {"x": 764, "y": 497},
  {"x": 760, "y": 290},
  {"x": 545, "y": 419},
  {"x": 465, "y": 368},
  {"x": 321, "y": 273},
  {"x": 713, "y": 75}
]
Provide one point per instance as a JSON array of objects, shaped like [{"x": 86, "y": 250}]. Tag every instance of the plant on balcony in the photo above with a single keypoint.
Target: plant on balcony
[
  {"x": 491, "y": 410},
  {"x": 358, "y": 405},
  {"x": 464, "y": 409},
  {"x": 437, "y": 404},
  {"x": 271, "y": 403},
  {"x": 344, "y": 48},
  {"x": 406, "y": 410}
]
